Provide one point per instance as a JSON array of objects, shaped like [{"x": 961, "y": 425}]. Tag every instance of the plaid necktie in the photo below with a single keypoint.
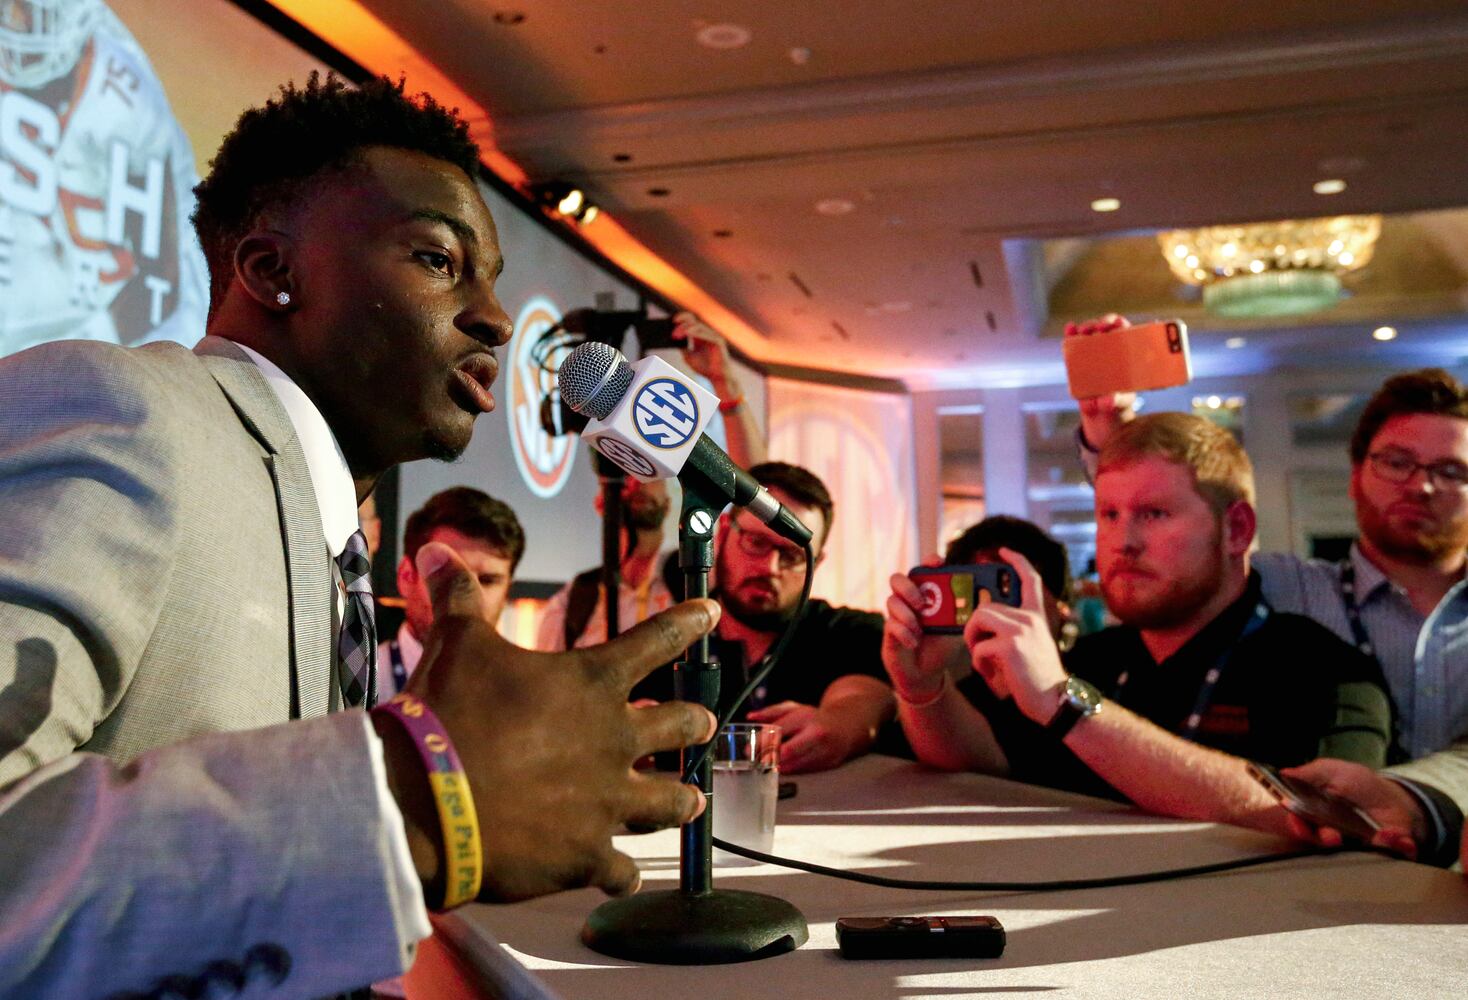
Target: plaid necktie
[{"x": 356, "y": 659}]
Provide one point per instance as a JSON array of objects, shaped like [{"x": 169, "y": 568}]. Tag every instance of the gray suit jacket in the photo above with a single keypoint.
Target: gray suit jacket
[{"x": 163, "y": 576}]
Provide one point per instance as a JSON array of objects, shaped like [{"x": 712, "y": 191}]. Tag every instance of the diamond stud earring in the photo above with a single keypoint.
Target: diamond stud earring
[{"x": 284, "y": 298}]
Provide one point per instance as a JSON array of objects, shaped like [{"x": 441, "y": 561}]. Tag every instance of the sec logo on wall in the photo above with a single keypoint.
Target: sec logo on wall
[{"x": 544, "y": 461}]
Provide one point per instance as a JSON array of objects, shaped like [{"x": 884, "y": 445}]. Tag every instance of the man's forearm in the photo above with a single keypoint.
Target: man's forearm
[
  {"x": 949, "y": 733},
  {"x": 746, "y": 445},
  {"x": 1167, "y": 775},
  {"x": 857, "y": 706}
]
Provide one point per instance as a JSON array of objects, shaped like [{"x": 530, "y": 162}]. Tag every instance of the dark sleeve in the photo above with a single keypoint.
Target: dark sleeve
[
  {"x": 1361, "y": 728},
  {"x": 1445, "y": 818},
  {"x": 860, "y": 644}
]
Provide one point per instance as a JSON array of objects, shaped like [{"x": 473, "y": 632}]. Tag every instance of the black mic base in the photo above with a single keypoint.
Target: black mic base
[{"x": 673, "y": 927}]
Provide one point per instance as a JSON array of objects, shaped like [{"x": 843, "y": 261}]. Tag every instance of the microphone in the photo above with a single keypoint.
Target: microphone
[{"x": 649, "y": 418}]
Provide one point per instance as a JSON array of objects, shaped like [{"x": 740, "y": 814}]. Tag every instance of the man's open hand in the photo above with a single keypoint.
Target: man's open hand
[{"x": 548, "y": 740}]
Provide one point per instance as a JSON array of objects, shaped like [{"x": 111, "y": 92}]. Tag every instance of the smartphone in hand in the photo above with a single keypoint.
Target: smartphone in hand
[
  {"x": 1313, "y": 805},
  {"x": 1150, "y": 356},
  {"x": 951, "y": 593}
]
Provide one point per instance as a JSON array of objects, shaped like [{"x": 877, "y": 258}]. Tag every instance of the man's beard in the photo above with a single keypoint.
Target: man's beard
[
  {"x": 1428, "y": 544},
  {"x": 761, "y": 620},
  {"x": 1179, "y": 602},
  {"x": 644, "y": 517}
]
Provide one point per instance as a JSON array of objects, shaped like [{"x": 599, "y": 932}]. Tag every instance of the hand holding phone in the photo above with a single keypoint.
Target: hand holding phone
[
  {"x": 952, "y": 593},
  {"x": 1150, "y": 356},
  {"x": 1317, "y": 807}
]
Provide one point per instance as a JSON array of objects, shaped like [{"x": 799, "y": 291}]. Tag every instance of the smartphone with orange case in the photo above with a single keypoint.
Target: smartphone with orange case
[{"x": 1150, "y": 356}]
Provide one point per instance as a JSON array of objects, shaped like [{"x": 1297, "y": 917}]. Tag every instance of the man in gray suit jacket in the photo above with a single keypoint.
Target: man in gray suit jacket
[{"x": 180, "y": 807}]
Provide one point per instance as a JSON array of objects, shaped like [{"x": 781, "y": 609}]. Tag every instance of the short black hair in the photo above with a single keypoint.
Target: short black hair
[
  {"x": 470, "y": 512},
  {"x": 1025, "y": 537},
  {"x": 1431, "y": 391},
  {"x": 275, "y": 152},
  {"x": 801, "y": 485}
]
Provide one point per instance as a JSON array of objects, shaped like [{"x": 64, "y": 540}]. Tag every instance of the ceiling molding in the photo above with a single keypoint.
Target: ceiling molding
[{"x": 1170, "y": 66}]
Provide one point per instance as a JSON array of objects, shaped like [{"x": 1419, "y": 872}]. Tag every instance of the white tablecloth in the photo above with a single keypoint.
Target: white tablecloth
[{"x": 1351, "y": 925}]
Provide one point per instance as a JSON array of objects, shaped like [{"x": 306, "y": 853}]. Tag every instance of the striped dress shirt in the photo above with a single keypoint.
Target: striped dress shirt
[{"x": 1425, "y": 659}]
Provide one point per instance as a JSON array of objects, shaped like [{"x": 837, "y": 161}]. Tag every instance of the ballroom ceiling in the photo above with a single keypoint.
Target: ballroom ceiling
[{"x": 905, "y": 189}]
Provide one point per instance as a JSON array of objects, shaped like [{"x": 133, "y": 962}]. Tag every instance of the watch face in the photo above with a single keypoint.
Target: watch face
[{"x": 1082, "y": 695}]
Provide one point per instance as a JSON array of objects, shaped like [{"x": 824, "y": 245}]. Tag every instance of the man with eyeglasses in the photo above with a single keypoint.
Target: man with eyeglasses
[
  {"x": 829, "y": 693},
  {"x": 1400, "y": 595}
]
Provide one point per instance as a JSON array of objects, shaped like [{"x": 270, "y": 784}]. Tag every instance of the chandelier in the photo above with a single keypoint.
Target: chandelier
[{"x": 1271, "y": 268}]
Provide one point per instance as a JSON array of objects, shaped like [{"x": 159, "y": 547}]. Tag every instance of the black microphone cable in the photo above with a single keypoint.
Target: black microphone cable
[{"x": 1058, "y": 885}]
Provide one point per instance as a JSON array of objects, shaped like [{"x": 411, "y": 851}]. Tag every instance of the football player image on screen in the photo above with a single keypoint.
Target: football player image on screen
[{"x": 96, "y": 185}]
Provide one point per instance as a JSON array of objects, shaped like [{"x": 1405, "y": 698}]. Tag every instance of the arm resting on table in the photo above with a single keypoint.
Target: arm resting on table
[{"x": 275, "y": 853}]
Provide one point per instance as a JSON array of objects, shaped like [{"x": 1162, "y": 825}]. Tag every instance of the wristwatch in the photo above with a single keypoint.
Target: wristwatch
[{"x": 1077, "y": 700}]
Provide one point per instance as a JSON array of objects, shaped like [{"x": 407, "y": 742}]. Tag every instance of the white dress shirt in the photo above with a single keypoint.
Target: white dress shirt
[{"x": 410, "y": 651}]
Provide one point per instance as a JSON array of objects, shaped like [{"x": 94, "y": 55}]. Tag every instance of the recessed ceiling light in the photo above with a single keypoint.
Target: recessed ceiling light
[
  {"x": 1384, "y": 333},
  {"x": 1234, "y": 343},
  {"x": 723, "y": 36},
  {"x": 835, "y": 206},
  {"x": 800, "y": 55},
  {"x": 571, "y": 202},
  {"x": 1333, "y": 185},
  {"x": 1105, "y": 204}
]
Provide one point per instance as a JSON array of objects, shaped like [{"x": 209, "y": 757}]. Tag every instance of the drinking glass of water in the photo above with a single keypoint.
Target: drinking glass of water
[{"x": 746, "y": 785}]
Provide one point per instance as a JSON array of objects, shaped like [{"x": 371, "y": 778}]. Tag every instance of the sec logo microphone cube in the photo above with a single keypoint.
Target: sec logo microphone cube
[{"x": 657, "y": 422}]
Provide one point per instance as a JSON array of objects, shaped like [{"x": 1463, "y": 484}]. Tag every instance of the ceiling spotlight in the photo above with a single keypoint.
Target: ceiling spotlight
[
  {"x": 835, "y": 206},
  {"x": 1234, "y": 343},
  {"x": 1106, "y": 204},
  {"x": 566, "y": 200},
  {"x": 1384, "y": 333},
  {"x": 1332, "y": 186},
  {"x": 571, "y": 202},
  {"x": 723, "y": 36}
]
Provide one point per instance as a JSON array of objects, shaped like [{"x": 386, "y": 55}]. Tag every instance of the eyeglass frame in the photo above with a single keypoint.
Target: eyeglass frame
[
  {"x": 761, "y": 541},
  {"x": 1409, "y": 465}
]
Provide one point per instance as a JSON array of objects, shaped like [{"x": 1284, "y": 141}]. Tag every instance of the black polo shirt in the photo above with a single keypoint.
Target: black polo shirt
[
  {"x": 828, "y": 643},
  {"x": 1288, "y": 691}
]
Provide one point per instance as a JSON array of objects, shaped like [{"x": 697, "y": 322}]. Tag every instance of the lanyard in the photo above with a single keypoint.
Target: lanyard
[
  {"x": 1395, "y": 753},
  {"x": 1210, "y": 679},
  {"x": 1353, "y": 609},
  {"x": 399, "y": 672}
]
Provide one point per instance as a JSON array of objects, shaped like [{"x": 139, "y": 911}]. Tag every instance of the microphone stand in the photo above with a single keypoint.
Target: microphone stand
[
  {"x": 612, "y": 479},
  {"x": 696, "y": 924}
]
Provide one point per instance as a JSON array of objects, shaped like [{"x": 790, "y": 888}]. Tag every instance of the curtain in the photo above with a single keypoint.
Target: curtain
[{"x": 860, "y": 444}]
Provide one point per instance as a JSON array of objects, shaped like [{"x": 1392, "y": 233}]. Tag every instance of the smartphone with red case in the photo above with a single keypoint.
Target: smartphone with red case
[
  {"x": 1150, "y": 356},
  {"x": 951, "y": 593}
]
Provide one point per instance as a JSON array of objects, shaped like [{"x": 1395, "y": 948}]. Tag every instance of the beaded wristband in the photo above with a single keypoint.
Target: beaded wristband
[
  {"x": 463, "y": 853},
  {"x": 933, "y": 700}
]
